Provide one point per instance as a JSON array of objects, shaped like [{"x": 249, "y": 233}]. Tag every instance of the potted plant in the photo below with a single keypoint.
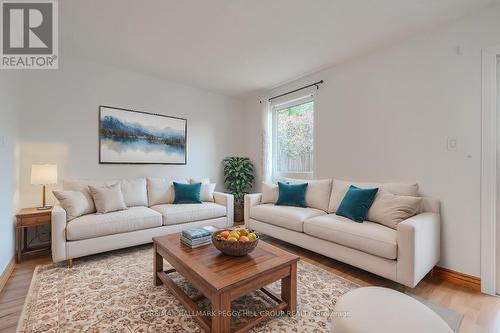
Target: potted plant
[{"x": 238, "y": 177}]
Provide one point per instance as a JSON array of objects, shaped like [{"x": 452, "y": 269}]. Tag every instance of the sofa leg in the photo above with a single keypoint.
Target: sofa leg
[{"x": 69, "y": 262}]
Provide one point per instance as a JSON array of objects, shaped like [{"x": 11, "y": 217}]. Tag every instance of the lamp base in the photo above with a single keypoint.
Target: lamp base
[{"x": 44, "y": 208}]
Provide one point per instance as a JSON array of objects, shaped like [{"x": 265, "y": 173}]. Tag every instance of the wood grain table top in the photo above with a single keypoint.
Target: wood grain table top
[
  {"x": 27, "y": 212},
  {"x": 221, "y": 271}
]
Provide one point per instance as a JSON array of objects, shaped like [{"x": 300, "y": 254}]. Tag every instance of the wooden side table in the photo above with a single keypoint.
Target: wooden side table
[{"x": 30, "y": 217}]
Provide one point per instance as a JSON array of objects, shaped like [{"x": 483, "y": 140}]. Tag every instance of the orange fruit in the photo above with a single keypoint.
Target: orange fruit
[
  {"x": 224, "y": 234},
  {"x": 244, "y": 239}
]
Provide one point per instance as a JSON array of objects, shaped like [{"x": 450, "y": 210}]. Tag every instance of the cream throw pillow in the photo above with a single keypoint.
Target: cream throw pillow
[
  {"x": 74, "y": 203},
  {"x": 270, "y": 193},
  {"x": 82, "y": 186},
  {"x": 390, "y": 209},
  {"x": 108, "y": 198},
  {"x": 207, "y": 192}
]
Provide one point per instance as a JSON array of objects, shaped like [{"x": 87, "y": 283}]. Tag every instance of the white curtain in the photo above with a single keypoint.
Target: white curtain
[{"x": 267, "y": 141}]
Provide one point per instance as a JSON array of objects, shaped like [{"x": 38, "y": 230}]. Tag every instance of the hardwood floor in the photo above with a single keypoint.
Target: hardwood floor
[
  {"x": 13, "y": 295},
  {"x": 481, "y": 312}
]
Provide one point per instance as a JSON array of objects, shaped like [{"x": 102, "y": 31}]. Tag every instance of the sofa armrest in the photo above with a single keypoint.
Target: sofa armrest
[
  {"x": 418, "y": 247},
  {"x": 226, "y": 200},
  {"x": 251, "y": 200},
  {"x": 58, "y": 234}
]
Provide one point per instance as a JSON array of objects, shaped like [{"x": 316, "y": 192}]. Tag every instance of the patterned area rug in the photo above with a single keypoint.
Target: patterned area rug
[{"x": 114, "y": 292}]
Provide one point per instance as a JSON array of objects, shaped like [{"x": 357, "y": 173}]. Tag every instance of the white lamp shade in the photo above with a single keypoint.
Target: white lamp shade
[{"x": 43, "y": 174}]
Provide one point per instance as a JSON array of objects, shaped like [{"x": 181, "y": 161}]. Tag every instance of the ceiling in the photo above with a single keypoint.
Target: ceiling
[{"x": 238, "y": 47}]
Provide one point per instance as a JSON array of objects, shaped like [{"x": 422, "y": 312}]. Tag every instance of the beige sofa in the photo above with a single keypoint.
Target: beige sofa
[
  {"x": 150, "y": 213},
  {"x": 405, "y": 254}
]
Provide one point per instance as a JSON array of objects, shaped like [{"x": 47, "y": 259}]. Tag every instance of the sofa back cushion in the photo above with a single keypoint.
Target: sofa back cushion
[
  {"x": 318, "y": 192},
  {"x": 207, "y": 192},
  {"x": 134, "y": 192},
  {"x": 270, "y": 193},
  {"x": 430, "y": 205},
  {"x": 160, "y": 191},
  {"x": 207, "y": 188},
  {"x": 199, "y": 180},
  {"x": 340, "y": 187}
]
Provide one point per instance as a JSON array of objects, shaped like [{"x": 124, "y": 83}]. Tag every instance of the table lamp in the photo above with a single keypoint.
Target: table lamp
[{"x": 43, "y": 174}]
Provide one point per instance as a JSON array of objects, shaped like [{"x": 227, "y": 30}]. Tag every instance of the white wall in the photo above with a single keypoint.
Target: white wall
[
  {"x": 387, "y": 117},
  {"x": 8, "y": 166},
  {"x": 59, "y": 123}
]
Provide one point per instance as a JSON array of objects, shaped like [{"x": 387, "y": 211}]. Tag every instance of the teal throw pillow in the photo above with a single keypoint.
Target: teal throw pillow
[
  {"x": 187, "y": 193},
  {"x": 291, "y": 194},
  {"x": 356, "y": 203}
]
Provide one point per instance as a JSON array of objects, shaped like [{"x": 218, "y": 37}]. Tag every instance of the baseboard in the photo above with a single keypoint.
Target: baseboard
[
  {"x": 457, "y": 277},
  {"x": 7, "y": 273}
]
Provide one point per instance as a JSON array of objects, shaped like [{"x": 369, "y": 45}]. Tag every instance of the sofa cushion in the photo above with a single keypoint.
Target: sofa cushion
[
  {"x": 161, "y": 190},
  {"x": 97, "y": 225},
  {"x": 270, "y": 193},
  {"x": 183, "y": 213},
  {"x": 134, "y": 192},
  {"x": 207, "y": 192},
  {"x": 284, "y": 216},
  {"x": 199, "y": 180},
  {"x": 340, "y": 187},
  {"x": 368, "y": 236},
  {"x": 318, "y": 192}
]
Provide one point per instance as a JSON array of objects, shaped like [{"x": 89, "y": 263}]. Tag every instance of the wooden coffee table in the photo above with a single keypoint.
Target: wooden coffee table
[{"x": 222, "y": 279}]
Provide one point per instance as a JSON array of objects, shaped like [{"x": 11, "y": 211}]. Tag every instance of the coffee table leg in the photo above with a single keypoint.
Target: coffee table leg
[
  {"x": 289, "y": 290},
  {"x": 221, "y": 318},
  {"x": 157, "y": 266}
]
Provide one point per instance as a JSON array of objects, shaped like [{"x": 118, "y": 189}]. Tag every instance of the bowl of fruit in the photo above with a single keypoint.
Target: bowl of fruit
[{"x": 235, "y": 242}]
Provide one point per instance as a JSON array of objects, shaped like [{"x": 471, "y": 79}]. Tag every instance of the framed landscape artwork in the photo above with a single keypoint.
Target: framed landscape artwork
[{"x": 135, "y": 137}]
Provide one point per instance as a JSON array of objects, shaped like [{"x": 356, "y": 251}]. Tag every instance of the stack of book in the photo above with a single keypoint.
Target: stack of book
[{"x": 197, "y": 237}]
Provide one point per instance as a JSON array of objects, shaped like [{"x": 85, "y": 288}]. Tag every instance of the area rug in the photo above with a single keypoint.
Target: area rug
[{"x": 114, "y": 292}]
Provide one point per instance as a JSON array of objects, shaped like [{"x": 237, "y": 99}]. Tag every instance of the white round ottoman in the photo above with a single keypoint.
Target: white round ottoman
[{"x": 382, "y": 310}]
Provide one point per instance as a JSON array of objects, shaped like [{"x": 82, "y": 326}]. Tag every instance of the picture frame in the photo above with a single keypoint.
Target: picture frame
[{"x": 136, "y": 137}]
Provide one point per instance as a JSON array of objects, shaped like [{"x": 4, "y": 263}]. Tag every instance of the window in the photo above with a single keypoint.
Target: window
[{"x": 293, "y": 124}]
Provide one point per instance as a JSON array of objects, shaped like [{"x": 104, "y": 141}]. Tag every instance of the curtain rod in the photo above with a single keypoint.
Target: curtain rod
[{"x": 291, "y": 92}]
